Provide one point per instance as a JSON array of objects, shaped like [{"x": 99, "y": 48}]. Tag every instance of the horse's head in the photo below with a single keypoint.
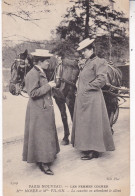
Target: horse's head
[
  {"x": 69, "y": 76},
  {"x": 22, "y": 64},
  {"x": 54, "y": 70},
  {"x": 58, "y": 71}
]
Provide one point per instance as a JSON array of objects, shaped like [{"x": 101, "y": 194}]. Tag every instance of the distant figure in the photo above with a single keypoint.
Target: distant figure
[
  {"x": 40, "y": 139},
  {"x": 91, "y": 132}
]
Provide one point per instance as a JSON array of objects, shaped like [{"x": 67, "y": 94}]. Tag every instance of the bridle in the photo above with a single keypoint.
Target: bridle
[
  {"x": 19, "y": 64},
  {"x": 23, "y": 64},
  {"x": 59, "y": 71},
  {"x": 68, "y": 82}
]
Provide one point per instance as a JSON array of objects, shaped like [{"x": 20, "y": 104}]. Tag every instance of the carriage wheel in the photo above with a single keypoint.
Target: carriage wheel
[
  {"x": 116, "y": 114},
  {"x": 114, "y": 118}
]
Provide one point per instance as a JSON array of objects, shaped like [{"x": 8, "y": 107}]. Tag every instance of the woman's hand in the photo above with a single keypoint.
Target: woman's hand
[{"x": 52, "y": 84}]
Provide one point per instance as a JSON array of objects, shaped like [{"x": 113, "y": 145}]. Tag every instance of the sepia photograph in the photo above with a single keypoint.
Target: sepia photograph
[{"x": 66, "y": 97}]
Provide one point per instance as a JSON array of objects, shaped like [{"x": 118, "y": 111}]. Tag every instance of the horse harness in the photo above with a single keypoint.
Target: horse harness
[
  {"x": 24, "y": 64},
  {"x": 68, "y": 82}
]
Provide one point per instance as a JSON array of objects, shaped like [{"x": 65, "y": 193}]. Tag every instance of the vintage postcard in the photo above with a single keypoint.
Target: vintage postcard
[{"x": 66, "y": 103}]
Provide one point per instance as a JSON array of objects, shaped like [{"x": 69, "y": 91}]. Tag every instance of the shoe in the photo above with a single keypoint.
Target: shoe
[
  {"x": 90, "y": 156},
  {"x": 96, "y": 154},
  {"x": 45, "y": 168}
]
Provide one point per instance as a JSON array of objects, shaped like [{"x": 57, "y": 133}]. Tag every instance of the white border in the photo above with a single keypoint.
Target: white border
[
  {"x": 1, "y": 171},
  {"x": 132, "y": 100}
]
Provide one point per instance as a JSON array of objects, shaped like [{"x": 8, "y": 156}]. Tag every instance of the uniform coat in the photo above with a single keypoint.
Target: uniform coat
[
  {"x": 91, "y": 129},
  {"x": 40, "y": 138}
]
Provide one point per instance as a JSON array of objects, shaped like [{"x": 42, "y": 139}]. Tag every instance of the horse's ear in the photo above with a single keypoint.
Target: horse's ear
[{"x": 26, "y": 52}]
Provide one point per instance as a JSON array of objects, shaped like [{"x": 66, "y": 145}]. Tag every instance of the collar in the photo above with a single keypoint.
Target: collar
[
  {"x": 87, "y": 60},
  {"x": 39, "y": 68},
  {"x": 81, "y": 64},
  {"x": 93, "y": 56}
]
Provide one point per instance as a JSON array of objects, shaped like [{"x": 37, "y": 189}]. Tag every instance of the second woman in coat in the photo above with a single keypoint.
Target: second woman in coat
[
  {"x": 40, "y": 139},
  {"x": 91, "y": 132}
]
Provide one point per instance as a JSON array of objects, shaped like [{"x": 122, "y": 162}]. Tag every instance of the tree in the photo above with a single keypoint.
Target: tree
[
  {"x": 22, "y": 12},
  {"x": 90, "y": 19},
  {"x": 95, "y": 20}
]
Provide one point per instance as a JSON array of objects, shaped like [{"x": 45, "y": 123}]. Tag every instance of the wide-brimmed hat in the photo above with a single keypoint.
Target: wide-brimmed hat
[
  {"x": 42, "y": 53},
  {"x": 85, "y": 43}
]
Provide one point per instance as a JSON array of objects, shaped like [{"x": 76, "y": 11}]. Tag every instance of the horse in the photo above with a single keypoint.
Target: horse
[
  {"x": 114, "y": 79},
  {"x": 66, "y": 77},
  {"x": 20, "y": 67}
]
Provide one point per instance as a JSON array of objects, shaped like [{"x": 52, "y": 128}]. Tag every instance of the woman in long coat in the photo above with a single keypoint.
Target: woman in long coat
[
  {"x": 91, "y": 132},
  {"x": 40, "y": 139}
]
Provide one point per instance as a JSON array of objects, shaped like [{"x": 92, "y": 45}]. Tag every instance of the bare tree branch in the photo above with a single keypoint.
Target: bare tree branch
[
  {"x": 27, "y": 19},
  {"x": 13, "y": 18},
  {"x": 6, "y": 3},
  {"x": 35, "y": 24}
]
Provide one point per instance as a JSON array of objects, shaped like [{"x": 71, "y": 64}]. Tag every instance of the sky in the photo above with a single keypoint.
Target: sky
[
  {"x": 34, "y": 30},
  {"x": 17, "y": 29}
]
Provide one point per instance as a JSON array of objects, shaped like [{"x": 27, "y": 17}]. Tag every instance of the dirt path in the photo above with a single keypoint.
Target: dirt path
[{"x": 111, "y": 169}]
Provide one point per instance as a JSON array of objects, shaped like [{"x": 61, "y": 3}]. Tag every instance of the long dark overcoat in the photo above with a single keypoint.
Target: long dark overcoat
[
  {"x": 40, "y": 138},
  {"x": 91, "y": 129}
]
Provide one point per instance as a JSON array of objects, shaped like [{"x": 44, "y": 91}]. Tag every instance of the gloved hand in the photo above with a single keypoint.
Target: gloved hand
[{"x": 52, "y": 84}]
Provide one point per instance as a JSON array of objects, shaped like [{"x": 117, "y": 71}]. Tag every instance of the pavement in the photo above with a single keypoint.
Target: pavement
[
  {"x": 14, "y": 110},
  {"x": 108, "y": 174}
]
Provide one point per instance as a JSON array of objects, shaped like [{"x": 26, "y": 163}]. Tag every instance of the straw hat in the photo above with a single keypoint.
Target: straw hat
[
  {"x": 41, "y": 53},
  {"x": 85, "y": 43}
]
